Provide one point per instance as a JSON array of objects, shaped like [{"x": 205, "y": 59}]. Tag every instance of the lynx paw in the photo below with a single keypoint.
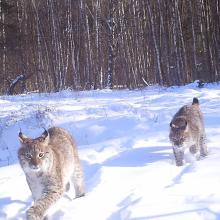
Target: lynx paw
[
  {"x": 193, "y": 149},
  {"x": 33, "y": 214},
  {"x": 180, "y": 163},
  {"x": 80, "y": 195}
]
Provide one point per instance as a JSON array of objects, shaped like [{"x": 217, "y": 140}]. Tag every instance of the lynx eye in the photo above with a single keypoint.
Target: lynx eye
[
  {"x": 28, "y": 156},
  {"x": 40, "y": 155}
]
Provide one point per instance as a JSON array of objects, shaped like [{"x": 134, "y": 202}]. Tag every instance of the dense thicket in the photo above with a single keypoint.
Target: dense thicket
[{"x": 49, "y": 45}]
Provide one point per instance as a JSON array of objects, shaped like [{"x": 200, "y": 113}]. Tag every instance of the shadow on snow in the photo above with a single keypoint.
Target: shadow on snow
[
  {"x": 137, "y": 157},
  {"x": 8, "y": 201},
  {"x": 205, "y": 211}
]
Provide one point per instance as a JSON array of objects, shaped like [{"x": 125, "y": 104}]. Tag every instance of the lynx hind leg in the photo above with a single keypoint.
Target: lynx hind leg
[
  {"x": 194, "y": 150},
  {"x": 67, "y": 188},
  {"x": 179, "y": 156},
  {"x": 77, "y": 180},
  {"x": 203, "y": 146}
]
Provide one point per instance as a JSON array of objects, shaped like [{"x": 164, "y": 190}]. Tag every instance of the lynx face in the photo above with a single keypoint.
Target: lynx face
[
  {"x": 34, "y": 154},
  {"x": 178, "y": 131}
]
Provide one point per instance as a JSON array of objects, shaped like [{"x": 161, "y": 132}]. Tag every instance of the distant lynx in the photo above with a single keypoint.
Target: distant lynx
[
  {"x": 51, "y": 164},
  {"x": 187, "y": 131}
]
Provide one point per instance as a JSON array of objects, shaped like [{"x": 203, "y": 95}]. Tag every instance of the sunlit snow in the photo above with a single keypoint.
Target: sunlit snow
[{"x": 122, "y": 138}]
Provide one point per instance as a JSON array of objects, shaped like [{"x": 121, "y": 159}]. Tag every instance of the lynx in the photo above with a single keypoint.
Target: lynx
[
  {"x": 187, "y": 131},
  {"x": 51, "y": 165}
]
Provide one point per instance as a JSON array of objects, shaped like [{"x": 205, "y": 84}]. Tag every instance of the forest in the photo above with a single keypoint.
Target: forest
[{"x": 51, "y": 45}]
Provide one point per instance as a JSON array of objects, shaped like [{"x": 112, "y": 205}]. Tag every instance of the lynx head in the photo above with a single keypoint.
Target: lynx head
[
  {"x": 34, "y": 153},
  {"x": 178, "y": 131}
]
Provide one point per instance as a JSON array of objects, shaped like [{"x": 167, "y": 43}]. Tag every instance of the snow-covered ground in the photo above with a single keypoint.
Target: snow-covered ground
[{"x": 122, "y": 137}]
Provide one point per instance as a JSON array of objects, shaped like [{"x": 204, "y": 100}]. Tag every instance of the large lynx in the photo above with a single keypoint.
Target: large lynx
[
  {"x": 187, "y": 131},
  {"x": 51, "y": 164}
]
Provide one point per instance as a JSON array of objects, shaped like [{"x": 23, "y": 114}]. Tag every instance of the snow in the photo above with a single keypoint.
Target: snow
[{"x": 122, "y": 138}]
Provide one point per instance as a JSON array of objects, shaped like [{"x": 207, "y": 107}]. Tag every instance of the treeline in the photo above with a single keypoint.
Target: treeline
[{"x": 50, "y": 45}]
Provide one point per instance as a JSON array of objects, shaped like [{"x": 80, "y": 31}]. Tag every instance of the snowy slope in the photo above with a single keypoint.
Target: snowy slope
[{"x": 122, "y": 138}]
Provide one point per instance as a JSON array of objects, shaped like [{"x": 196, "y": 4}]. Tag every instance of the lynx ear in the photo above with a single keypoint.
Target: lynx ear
[
  {"x": 179, "y": 124},
  {"x": 22, "y": 137},
  {"x": 45, "y": 136},
  {"x": 172, "y": 125},
  {"x": 195, "y": 101}
]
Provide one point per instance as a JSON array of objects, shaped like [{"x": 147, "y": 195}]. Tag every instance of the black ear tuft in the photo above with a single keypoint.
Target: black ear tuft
[
  {"x": 20, "y": 134},
  {"x": 44, "y": 134},
  {"x": 195, "y": 101},
  {"x": 22, "y": 137}
]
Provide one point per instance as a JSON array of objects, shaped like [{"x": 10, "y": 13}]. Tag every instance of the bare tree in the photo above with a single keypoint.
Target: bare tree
[{"x": 94, "y": 44}]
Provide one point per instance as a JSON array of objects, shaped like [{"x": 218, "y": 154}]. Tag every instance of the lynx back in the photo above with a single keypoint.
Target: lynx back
[
  {"x": 51, "y": 164},
  {"x": 187, "y": 131}
]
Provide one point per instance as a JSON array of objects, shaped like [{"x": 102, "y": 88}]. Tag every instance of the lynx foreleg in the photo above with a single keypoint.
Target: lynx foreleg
[
  {"x": 195, "y": 149},
  {"x": 203, "y": 146},
  {"x": 40, "y": 207},
  {"x": 78, "y": 181},
  {"x": 179, "y": 155}
]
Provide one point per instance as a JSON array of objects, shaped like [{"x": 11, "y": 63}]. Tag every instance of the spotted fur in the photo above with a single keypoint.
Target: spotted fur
[
  {"x": 51, "y": 164},
  {"x": 187, "y": 131}
]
